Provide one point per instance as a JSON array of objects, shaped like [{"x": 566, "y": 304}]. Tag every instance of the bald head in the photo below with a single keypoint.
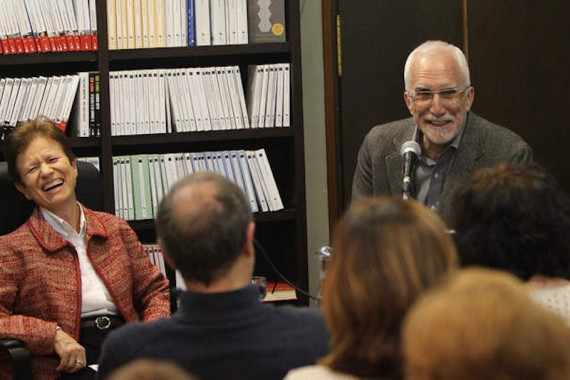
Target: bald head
[{"x": 202, "y": 224}]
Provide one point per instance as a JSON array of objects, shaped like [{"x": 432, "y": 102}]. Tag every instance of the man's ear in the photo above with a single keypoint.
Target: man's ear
[
  {"x": 249, "y": 236},
  {"x": 22, "y": 189},
  {"x": 408, "y": 102},
  {"x": 167, "y": 258},
  {"x": 470, "y": 97}
]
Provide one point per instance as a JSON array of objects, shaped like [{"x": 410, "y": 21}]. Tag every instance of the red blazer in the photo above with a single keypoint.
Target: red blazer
[{"x": 40, "y": 283}]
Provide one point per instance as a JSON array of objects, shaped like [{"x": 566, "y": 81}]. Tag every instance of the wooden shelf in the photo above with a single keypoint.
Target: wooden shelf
[
  {"x": 263, "y": 217},
  {"x": 200, "y": 51},
  {"x": 47, "y": 58},
  {"x": 166, "y": 138}
]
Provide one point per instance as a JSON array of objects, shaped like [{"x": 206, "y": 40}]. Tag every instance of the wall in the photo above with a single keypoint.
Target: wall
[{"x": 315, "y": 146}]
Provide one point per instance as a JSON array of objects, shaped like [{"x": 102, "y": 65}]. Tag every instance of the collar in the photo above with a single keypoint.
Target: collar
[
  {"x": 215, "y": 308},
  {"x": 50, "y": 240},
  {"x": 62, "y": 227}
]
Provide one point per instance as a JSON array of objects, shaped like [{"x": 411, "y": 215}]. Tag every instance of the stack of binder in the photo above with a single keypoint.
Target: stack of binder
[
  {"x": 142, "y": 180},
  {"x": 22, "y": 99}
]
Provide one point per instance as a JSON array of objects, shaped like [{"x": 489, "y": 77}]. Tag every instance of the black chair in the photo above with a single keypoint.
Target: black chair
[{"x": 15, "y": 210}]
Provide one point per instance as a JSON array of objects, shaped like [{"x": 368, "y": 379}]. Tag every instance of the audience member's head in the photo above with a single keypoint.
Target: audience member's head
[
  {"x": 146, "y": 369},
  {"x": 386, "y": 251},
  {"x": 482, "y": 324},
  {"x": 514, "y": 218},
  {"x": 204, "y": 225}
]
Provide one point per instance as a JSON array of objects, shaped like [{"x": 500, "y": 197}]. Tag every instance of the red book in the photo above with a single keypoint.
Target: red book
[
  {"x": 63, "y": 42},
  {"x": 19, "y": 43},
  {"x": 70, "y": 42},
  {"x": 5, "y": 47},
  {"x": 85, "y": 42},
  {"x": 30, "y": 44},
  {"x": 11, "y": 46},
  {"x": 44, "y": 43},
  {"x": 53, "y": 44}
]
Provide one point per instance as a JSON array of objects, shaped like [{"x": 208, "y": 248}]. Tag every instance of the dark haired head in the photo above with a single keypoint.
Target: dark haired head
[{"x": 515, "y": 218}]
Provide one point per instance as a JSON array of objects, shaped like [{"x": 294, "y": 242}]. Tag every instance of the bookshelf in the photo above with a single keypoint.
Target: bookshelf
[{"x": 283, "y": 234}]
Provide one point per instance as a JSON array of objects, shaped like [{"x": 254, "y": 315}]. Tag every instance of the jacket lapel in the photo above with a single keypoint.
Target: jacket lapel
[
  {"x": 466, "y": 162},
  {"x": 394, "y": 160}
]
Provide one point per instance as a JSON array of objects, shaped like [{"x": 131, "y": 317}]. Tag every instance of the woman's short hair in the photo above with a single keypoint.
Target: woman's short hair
[
  {"x": 19, "y": 140},
  {"x": 483, "y": 324},
  {"x": 386, "y": 251},
  {"x": 515, "y": 218}
]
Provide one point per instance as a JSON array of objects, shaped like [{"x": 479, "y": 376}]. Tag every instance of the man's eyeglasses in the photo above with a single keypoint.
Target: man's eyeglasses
[{"x": 447, "y": 94}]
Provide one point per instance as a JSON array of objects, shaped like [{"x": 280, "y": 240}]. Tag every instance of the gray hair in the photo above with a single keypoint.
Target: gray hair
[{"x": 434, "y": 48}]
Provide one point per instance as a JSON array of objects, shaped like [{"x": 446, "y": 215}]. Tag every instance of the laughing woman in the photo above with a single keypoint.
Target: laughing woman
[{"x": 69, "y": 275}]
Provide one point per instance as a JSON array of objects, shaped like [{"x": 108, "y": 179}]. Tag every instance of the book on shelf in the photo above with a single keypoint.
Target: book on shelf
[
  {"x": 198, "y": 99},
  {"x": 286, "y": 94},
  {"x": 142, "y": 180},
  {"x": 81, "y": 109},
  {"x": 40, "y": 26},
  {"x": 258, "y": 185},
  {"x": 271, "y": 96},
  {"x": 202, "y": 22},
  {"x": 142, "y": 199},
  {"x": 268, "y": 95},
  {"x": 273, "y": 198},
  {"x": 135, "y": 24},
  {"x": 93, "y": 160},
  {"x": 266, "y": 20},
  {"x": 279, "y": 291},
  {"x": 22, "y": 99},
  {"x": 117, "y": 188},
  {"x": 218, "y": 22},
  {"x": 191, "y": 34},
  {"x": 127, "y": 175},
  {"x": 155, "y": 256}
]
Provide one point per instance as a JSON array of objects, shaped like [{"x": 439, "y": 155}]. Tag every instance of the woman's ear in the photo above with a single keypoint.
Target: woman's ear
[{"x": 22, "y": 189}]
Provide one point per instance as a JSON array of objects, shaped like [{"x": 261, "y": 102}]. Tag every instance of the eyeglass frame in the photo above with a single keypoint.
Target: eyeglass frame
[{"x": 455, "y": 91}]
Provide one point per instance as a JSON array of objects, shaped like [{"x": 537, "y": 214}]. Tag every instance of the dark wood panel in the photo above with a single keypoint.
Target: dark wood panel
[
  {"x": 377, "y": 37},
  {"x": 520, "y": 62}
]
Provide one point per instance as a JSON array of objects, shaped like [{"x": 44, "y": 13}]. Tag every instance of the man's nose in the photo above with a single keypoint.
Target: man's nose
[{"x": 437, "y": 105}]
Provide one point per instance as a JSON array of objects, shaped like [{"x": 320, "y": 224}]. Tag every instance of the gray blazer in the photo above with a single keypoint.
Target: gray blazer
[{"x": 484, "y": 144}]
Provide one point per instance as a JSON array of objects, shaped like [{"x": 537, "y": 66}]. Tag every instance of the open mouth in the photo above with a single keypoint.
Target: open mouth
[
  {"x": 53, "y": 185},
  {"x": 438, "y": 123}
]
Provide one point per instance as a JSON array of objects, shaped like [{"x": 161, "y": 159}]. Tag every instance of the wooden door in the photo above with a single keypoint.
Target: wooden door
[
  {"x": 377, "y": 37},
  {"x": 519, "y": 54}
]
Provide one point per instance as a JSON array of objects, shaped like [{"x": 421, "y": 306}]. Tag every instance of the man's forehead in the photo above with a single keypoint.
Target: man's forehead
[{"x": 435, "y": 75}]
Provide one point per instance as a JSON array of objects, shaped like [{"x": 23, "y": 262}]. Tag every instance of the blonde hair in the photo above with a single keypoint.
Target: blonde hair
[
  {"x": 484, "y": 325},
  {"x": 147, "y": 369}
]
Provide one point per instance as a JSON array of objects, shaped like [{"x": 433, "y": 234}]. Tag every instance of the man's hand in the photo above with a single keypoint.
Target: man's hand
[{"x": 71, "y": 353}]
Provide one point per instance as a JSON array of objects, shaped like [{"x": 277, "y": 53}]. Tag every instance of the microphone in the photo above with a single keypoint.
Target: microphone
[{"x": 410, "y": 151}]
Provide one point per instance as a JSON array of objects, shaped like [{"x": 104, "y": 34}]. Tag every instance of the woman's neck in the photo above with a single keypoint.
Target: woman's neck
[{"x": 71, "y": 215}]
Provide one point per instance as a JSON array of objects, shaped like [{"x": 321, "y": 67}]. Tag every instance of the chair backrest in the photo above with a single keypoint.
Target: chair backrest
[{"x": 15, "y": 209}]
